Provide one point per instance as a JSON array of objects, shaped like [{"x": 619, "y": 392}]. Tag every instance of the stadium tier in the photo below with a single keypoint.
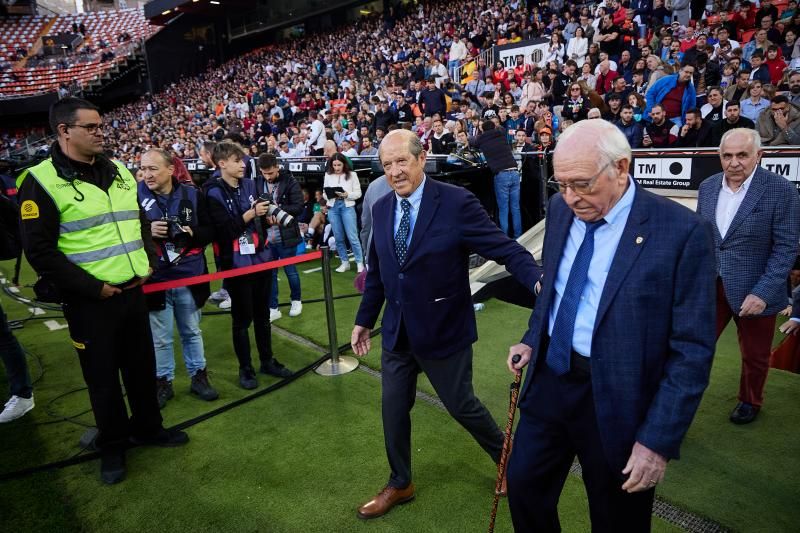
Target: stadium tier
[{"x": 109, "y": 37}]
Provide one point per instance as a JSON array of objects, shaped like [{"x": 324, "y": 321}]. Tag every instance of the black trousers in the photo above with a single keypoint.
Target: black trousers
[
  {"x": 452, "y": 379},
  {"x": 557, "y": 422},
  {"x": 112, "y": 337},
  {"x": 19, "y": 380},
  {"x": 250, "y": 296}
]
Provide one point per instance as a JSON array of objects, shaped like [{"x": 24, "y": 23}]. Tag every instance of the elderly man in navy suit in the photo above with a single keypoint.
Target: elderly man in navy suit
[
  {"x": 619, "y": 344},
  {"x": 756, "y": 219},
  {"x": 423, "y": 233}
]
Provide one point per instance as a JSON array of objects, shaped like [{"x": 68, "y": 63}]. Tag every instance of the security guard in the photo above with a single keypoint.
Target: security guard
[{"x": 82, "y": 233}]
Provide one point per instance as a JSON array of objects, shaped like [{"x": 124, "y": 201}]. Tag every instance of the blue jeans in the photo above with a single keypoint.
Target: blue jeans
[
  {"x": 343, "y": 221},
  {"x": 281, "y": 252},
  {"x": 452, "y": 67},
  {"x": 19, "y": 380},
  {"x": 182, "y": 309},
  {"x": 506, "y": 190}
]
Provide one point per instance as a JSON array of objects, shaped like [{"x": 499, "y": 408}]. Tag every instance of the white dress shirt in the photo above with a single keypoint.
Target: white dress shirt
[{"x": 729, "y": 201}]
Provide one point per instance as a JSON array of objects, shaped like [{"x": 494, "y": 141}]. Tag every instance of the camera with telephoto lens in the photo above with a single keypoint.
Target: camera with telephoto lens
[
  {"x": 283, "y": 218},
  {"x": 175, "y": 232}
]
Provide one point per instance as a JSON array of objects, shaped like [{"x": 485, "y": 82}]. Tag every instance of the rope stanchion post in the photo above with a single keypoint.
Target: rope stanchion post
[{"x": 337, "y": 364}]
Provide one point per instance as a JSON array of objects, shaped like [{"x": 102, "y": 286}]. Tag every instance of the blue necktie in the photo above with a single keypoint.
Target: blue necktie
[
  {"x": 401, "y": 239},
  {"x": 558, "y": 354}
]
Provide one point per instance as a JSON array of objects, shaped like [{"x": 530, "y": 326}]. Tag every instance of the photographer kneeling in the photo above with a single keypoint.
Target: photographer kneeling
[
  {"x": 281, "y": 189},
  {"x": 181, "y": 229}
]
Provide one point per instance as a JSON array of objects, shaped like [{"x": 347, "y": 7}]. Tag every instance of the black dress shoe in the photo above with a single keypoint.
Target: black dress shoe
[
  {"x": 165, "y": 438},
  {"x": 247, "y": 378},
  {"x": 112, "y": 467},
  {"x": 744, "y": 413},
  {"x": 275, "y": 368}
]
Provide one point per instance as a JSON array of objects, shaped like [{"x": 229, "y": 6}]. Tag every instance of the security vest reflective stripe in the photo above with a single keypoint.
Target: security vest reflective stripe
[{"x": 99, "y": 231}]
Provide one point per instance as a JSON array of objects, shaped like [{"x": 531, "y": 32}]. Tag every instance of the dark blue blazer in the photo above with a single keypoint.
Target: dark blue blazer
[
  {"x": 430, "y": 293},
  {"x": 655, "y": 330},
  {"x": 760, "y": 246}
]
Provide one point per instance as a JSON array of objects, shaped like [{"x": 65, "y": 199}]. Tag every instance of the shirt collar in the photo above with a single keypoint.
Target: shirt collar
[
  {"x": 620, "y": 211},
  {"x": 743, "y": 188},
  {"x": 416, "y": 197}
]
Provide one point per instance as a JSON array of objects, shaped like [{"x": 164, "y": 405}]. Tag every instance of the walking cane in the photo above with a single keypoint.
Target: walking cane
[{"x": 501, "y": 466}]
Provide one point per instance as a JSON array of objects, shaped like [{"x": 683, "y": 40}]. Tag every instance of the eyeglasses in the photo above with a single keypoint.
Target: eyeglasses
[
  {"x": 582, "y": 186},
  {"x": 91, "y": 129}
]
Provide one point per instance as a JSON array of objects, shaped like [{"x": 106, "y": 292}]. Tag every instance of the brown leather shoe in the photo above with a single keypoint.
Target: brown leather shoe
[{"x": 387, "y": 498}]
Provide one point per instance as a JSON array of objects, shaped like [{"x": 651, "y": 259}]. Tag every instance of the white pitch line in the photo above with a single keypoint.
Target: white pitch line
[
  {"x": 310, "y": 270},
  {"x": 36, "y": 311},
  {"x": 53, "y": 325}
]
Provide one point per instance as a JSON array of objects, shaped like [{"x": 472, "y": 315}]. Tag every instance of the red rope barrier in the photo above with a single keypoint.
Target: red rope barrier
[{"x": 185, "y": 282}]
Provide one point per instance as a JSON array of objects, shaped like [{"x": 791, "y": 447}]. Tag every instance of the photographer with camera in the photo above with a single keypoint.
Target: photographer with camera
[
  {"x": 280, "y": 188},
  {"x": 181, "y": 229},
  {"x": 233, "y": 206}
]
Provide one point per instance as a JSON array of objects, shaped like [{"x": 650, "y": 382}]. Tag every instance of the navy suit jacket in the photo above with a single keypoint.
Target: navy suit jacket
[
  {"x": 430, "y": 293},
  {"x": 655, "y": 330},
  {"x": 761, "y": 244}
]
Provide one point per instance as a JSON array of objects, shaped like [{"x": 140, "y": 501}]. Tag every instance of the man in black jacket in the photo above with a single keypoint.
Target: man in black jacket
[
  {"x": 493, "y": 142},
  {"x": 285, "y": 192},
  {"x": 696, "y": 131},
  {"x": 432, "y": 100},
  {"x": 733, "y": 119}
]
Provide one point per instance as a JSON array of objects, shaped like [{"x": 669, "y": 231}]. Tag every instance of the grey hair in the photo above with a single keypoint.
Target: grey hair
[
  {"x": 755, "y": 137},
  {"x": 610, "y": 142},
  {"x": 414, "y": 143}
]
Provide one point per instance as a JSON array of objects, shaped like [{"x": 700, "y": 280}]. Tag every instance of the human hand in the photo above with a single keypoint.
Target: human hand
[
  {"x": 360, "y": 340},
  {"x": 780, "y": 119},
  {"x": 787, "y": 311},
  {"x": 272, "y": 221},
  {"x": 752, "y": 305},
  {"x": 188, "y": 230},
  {"x": 646, "y": 140},
  {"x": 684, "y": 130},
  {"x": 159, "y": 229},
  {"x": 260, "y": 208},
  {"x": 790, "y": 327},
  {"x": 139, "y": 281},
  {"x": 108, "y": 291},
  {"x": 524, "y": 352},
  {"x": 645, "y": 469}
]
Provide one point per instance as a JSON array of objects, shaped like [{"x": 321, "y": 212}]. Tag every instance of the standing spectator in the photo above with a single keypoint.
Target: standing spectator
[
  {"x": 578, "y": 47},
  {"x": 284, "y": 191},
  {"x": 681, "y": 11},
  {"x": 774, "y": 123},
  {"x": 576, "y": 105},
  {"x": 610, "y": 38},
  {"x": 493, "y": 143},
  {"x": 442, "y": 141},
  {"x": 317, "y": 138},
  {"x": 341, "y": 209},
  {"x": 756, "y": 219},
  {"x": 180, "y": 255},
  {"x": 458, "y": 53},
  {"x": 675, "y": 93}
]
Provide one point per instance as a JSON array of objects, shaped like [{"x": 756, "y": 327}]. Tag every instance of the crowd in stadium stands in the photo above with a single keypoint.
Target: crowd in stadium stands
[{"x": 675, "y": 77}]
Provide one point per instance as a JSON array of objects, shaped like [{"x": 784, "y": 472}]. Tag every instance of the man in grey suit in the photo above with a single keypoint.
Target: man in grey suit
[{"x": 756, "y": 219}]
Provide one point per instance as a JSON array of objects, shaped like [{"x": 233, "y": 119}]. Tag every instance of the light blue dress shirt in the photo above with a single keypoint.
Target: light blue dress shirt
[
  {"x": 606, "y": 240},
  {"x": 416, "y": 201}
]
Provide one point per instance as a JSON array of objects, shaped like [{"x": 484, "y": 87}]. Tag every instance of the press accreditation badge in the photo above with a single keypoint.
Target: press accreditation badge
[
  {"x": 172, "y": 255},
  {"x": 246, "y": 246}
]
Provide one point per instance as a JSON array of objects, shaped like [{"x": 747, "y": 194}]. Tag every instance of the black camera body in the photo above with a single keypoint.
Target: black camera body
[
  {"x": 283, "y": 218},
  {"x": 175, "y": 232}
]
